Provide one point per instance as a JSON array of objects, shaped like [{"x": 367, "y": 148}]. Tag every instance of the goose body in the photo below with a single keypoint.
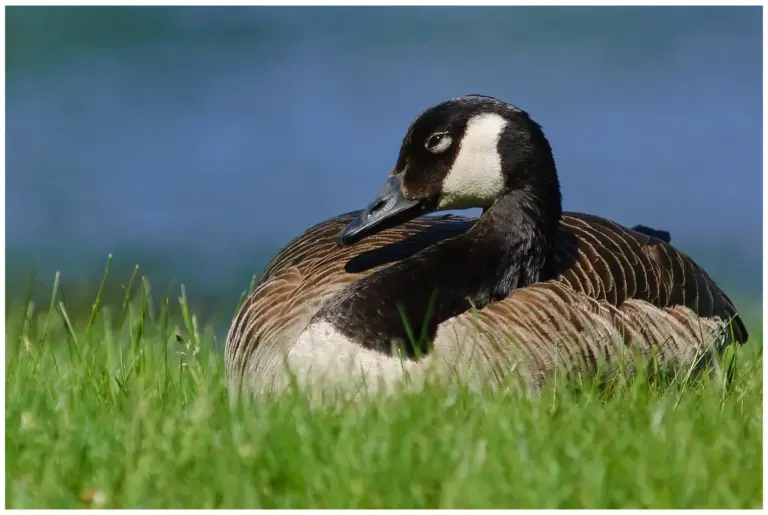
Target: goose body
[{"x": 523, "y": 289}]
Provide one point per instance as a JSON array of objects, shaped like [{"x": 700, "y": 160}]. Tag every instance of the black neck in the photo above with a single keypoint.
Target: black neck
[
  {"x": 506, "y": 248},
  {"x": 517, "y": 233}
]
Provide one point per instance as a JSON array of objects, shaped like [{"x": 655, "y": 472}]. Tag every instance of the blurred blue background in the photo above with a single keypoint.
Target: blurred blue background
[{"x": 197, "y": 141}]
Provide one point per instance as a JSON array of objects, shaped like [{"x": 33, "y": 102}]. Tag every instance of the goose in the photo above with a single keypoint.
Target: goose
[{"x": 398, "y": 292}]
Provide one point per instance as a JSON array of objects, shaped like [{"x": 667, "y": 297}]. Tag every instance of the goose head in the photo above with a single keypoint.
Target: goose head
[{"x": 467, "y": 152}]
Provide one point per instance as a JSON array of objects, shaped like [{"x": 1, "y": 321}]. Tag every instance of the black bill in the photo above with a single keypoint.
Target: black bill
[{"x": 389, "y": 209}]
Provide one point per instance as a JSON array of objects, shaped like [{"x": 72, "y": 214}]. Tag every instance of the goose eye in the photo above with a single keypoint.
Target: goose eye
[{"x": 438, "y": 142}]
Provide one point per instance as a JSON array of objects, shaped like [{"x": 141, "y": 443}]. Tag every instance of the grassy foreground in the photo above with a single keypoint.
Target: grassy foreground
[{"x": 128, "y": 408}]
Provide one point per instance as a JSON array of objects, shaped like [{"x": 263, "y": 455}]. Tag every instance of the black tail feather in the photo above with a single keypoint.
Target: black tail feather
[{"x": 654, "y": 233}]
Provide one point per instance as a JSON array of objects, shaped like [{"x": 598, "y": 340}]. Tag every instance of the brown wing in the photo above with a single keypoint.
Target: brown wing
[
  {"x": 310, "y": 269},
  {"x": 614, "y": 290},
  {"x": 546, "y": 326},
  {"x": 318, "y": 244},
  {"x": 606, "y": 261}
]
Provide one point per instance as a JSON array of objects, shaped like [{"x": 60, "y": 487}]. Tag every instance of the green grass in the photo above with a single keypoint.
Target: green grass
[{"x": 127, "y": 406}]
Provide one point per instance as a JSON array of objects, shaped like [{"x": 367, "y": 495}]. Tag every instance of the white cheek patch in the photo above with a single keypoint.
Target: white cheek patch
[{"x": 476, "y": 179}]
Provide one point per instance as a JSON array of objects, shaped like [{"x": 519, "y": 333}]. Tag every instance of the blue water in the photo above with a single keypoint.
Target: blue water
[{"x": 206, "y": 138}]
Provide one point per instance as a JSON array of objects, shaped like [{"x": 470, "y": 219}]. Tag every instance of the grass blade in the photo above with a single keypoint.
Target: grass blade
[
  {"x": 70, "y": 333},
  {"x": 54, "y": 295},
  {"x": 97, "y": 302},
  {"x": 127, "y": 299}
]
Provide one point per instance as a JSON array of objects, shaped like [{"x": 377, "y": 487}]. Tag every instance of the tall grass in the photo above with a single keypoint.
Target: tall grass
[{"x": 128, "y": 407}]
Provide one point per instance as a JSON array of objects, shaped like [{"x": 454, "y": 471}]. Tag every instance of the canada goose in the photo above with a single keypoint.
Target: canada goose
[{"x": 549, "y": 288}]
